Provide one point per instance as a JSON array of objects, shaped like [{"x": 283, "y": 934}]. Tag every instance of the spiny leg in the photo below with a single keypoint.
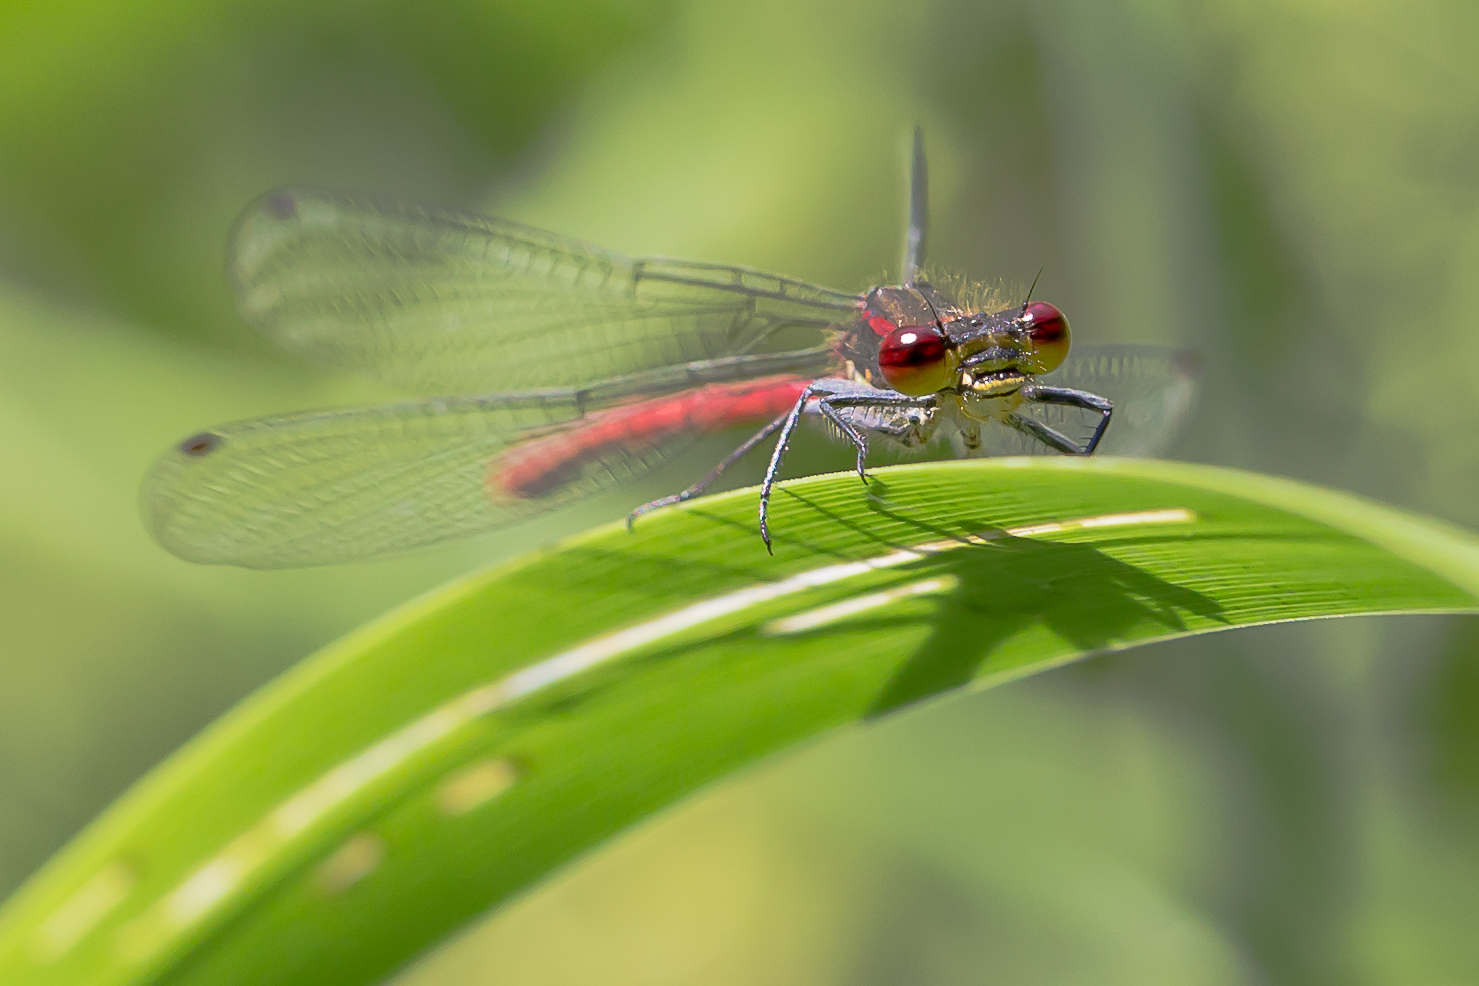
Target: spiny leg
[
  {"x": 1069, "y": 398},
  {"x": 829, "y": 407},
  {"x": 828, "y": 403},
  {"x": 700, "y": 487},
  {"x": 849, "y": 432},
  {"x": 1035, "y": 429},
  {"x": 788, "y": 428}
]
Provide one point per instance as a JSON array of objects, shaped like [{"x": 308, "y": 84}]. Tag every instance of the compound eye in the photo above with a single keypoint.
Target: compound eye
[
  {"x": 1048, "y": 330},
  {"x": 916, "y": 360}
]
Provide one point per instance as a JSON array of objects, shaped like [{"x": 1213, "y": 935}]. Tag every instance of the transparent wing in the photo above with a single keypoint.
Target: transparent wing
[
  {"x": 1153, "y": 389},
  {"x": 447, "y": 301},
  {"x": 332, "y": 486}
]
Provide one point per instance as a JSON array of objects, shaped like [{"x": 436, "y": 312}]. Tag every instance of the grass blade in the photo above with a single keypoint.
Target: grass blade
[{"x": 435, "y": 763}]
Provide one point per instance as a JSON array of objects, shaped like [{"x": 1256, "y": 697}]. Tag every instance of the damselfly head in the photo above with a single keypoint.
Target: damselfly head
[
  {"x": 927, "y": 339},
  {"x": 1030, "y": 339}
]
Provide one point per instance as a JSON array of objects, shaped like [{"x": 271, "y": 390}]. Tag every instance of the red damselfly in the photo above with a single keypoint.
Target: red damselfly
[{"x": 586, "y": 367}]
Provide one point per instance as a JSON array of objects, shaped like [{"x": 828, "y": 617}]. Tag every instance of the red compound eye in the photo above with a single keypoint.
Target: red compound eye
[
  {"x": 916, "y": 360},
  {"x": 1048, "y": 330}
]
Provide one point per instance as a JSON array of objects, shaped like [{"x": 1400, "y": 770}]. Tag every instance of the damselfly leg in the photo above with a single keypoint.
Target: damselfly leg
[
  {"x": 701, "y": 487},
  {"x": 829, "y": 396},
  {"x": 1067, "y": 397}
]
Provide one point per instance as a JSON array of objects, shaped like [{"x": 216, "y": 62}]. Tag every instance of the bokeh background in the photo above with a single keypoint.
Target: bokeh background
[{"x": 1291, "y": 187}]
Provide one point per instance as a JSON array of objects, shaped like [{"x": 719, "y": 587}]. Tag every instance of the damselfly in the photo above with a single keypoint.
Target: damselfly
[{"x": 586, "y": 367}]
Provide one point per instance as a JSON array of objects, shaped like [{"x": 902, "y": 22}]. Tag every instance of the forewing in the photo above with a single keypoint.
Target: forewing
[
  {"x": 333, "y": 486},
  {"x": 443, "y": 300},
  {"x": 1153, "y": 389}
]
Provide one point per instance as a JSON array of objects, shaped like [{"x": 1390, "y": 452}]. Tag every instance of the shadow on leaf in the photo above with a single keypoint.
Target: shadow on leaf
[{"x": 1074, "y": 590}]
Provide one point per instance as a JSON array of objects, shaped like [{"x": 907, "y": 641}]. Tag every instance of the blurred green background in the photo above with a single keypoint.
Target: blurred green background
[{"x": 1292, "y": 188}]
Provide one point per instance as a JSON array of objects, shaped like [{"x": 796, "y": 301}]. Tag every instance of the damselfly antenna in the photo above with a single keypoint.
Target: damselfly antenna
[
  {"x": 931, "y": 305},
  {"x": 918, "y": 207},
  {"x": 1028, "y": 300}
]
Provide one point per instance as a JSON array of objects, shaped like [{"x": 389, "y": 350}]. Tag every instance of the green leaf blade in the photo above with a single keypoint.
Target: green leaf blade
[{"x": 445, "y": 758}]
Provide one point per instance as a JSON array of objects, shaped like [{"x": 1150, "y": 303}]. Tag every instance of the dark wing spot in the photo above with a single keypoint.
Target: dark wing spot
[
  {"x": 202, "y": 444},
  {"x": 280, "y": 205}
]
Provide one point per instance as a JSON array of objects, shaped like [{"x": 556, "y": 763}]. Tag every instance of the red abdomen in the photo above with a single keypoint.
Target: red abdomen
[{"x": 539, "y": 465}]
